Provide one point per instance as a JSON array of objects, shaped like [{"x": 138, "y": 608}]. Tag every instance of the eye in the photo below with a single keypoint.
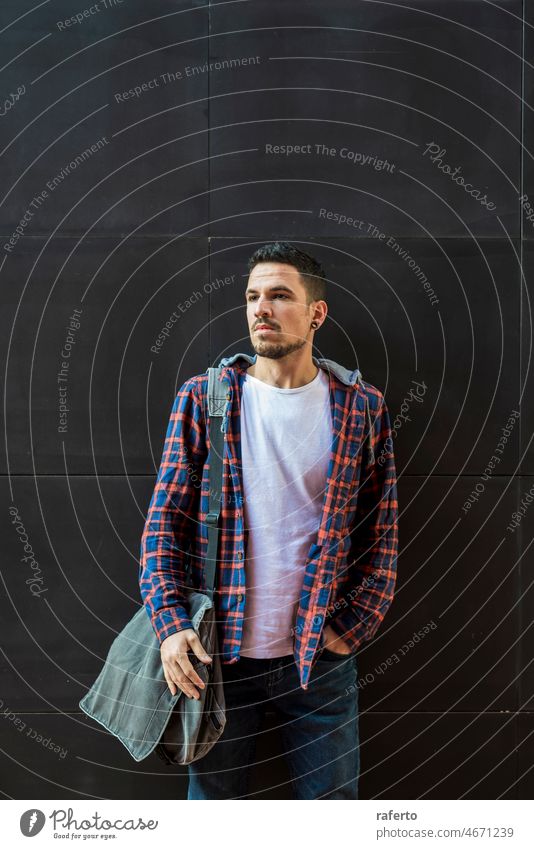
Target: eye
[{"x": 276, "y": 295}]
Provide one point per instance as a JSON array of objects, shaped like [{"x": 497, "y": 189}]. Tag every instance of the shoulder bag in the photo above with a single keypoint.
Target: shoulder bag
[{"x": 131, "y": 697}]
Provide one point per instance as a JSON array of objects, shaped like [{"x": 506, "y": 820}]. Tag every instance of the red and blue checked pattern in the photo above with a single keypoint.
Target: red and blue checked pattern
[{"x": 350, "y": 571}]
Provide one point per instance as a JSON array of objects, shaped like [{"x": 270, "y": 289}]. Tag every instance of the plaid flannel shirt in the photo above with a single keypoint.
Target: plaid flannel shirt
[{"x": 350, "y": 571}]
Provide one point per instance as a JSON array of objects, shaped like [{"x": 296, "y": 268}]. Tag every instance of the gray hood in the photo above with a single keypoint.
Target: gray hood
[{"x": 346, "y": 376}]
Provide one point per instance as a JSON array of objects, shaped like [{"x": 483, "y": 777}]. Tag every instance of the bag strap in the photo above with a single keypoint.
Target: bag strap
[{"x": 217, "y": 400}]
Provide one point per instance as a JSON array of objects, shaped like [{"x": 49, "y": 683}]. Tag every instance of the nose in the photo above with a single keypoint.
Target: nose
[{"x": 263, "y": 307}]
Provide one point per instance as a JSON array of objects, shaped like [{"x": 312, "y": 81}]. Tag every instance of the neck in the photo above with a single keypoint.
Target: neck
[{"x": 289, "y": 372}]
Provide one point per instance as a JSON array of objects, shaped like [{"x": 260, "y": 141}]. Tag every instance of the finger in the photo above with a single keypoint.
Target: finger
[
  {"x": 184, "y": 675},
  {"x": 179, "y": 682},
  {"x": 171, "y": 685},
  {"x": 190, "y": 691},
  {"x": 175, "y": 680},
  {"x": 198, "y": 649},
  {"x": 189, "y": 670}
]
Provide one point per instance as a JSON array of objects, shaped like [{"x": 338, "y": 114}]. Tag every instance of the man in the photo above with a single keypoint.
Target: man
[{"x": 307, "y": 562}]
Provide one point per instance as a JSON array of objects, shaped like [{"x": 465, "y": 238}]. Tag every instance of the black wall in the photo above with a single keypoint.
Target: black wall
[{"x": 177, "y": 191}]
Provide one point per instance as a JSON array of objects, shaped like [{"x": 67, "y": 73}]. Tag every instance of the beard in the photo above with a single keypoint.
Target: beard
[{"x": 276, "y": 350}]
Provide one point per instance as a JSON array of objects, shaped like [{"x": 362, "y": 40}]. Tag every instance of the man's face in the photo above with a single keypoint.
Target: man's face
[{"x": 277, "y": 313}]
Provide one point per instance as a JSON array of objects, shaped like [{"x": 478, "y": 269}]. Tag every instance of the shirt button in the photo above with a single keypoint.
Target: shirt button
[
  {"x": 240, "y": 555},
  {"x": 240, "y": 597}
]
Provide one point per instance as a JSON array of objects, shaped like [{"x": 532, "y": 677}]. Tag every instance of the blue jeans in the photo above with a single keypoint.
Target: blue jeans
[{"x": 318, "y": 726}]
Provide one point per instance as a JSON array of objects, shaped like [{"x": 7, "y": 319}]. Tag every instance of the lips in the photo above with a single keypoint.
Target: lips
[{"x": 264, "y": 327}]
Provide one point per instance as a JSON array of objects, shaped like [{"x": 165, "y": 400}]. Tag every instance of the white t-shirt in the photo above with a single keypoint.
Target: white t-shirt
[{"x": 286, "y": 437}]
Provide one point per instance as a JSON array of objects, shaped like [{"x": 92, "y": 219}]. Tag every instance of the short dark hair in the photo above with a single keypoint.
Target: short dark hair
[{"x": 310, "y": 269}]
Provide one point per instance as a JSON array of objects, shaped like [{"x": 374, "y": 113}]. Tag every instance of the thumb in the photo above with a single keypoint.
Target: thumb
[{"x": 198, "y": 648}]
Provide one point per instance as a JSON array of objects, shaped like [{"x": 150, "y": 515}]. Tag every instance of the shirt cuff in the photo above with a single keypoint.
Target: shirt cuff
[
  {"x": 347, "y": 625},
  {"x": 170, "y": 621}
]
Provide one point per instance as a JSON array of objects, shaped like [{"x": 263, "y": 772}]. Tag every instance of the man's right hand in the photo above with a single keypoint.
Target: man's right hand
[{"x": 178, "y": 669}]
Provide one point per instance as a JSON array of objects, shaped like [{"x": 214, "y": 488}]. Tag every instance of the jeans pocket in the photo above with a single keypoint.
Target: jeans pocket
[{"x": 327, "y": 654}]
